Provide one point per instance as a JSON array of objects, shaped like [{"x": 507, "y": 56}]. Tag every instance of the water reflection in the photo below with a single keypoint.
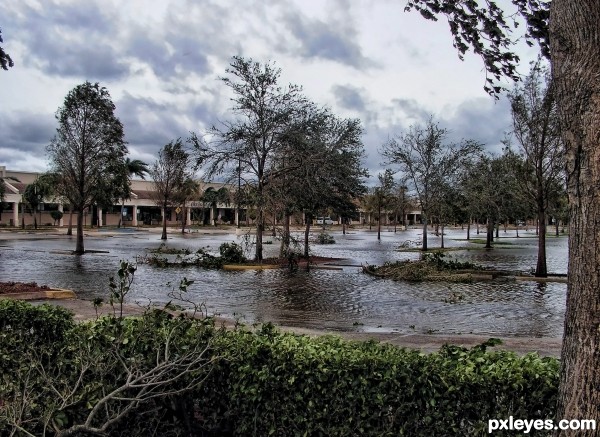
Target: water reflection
[{"x": 337, "y": 300}]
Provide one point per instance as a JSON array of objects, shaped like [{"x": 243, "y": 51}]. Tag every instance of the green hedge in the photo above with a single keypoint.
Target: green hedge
[
  {"x": 271, "y": 383},
  {"x": 283, "y": 384}
]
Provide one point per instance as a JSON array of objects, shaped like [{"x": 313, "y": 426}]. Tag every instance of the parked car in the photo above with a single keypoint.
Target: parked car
[{"x": 324, "y": 220}]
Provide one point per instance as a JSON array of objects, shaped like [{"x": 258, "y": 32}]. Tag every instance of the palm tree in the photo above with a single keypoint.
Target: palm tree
[
  {"x": 187, "y": 191},
  {"x": 213, "y": 197},
  {"x": 135, "y": 167}
]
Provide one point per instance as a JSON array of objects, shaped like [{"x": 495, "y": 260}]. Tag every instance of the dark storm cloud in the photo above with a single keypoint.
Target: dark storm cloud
[
  {"x": 482, "y": 120},
  {"x": 349, "y": 97},
  {"x": 479, "y": 119},
  {"x": 150, "y": 124},
  {"x": 72, "y": 40},
  {"x": 325, "y": 41},
  {"x": 27, "y": 132}
]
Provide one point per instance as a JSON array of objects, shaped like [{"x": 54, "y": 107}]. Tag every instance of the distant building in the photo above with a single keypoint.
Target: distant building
[{"x": 141, "y": 209}]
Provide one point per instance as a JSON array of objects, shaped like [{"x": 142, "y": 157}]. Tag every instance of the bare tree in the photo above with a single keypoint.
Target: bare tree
[
  {"x": 169, "y": 173},
  {"x": 536, "y": 128},
  {"x": 252, "y": 142},
  {"x": 427, "y": 162},
  {"x": 383, "y": 196}
]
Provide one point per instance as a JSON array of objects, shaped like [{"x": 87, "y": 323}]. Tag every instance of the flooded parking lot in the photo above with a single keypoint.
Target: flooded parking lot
[{"x": 342, "y": 300}]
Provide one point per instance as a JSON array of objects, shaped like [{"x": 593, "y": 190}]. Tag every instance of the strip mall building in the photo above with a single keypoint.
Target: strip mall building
[{"x": 140, "y": 209}]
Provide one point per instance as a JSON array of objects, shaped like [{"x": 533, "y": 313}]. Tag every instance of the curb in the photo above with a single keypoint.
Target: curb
[
  {"x": 232, "y": 267},
  {"x": 54, "y": 293}
]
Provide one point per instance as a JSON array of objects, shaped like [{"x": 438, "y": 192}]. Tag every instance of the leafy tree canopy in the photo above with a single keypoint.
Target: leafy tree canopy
[{"x": 486, "y": 28}]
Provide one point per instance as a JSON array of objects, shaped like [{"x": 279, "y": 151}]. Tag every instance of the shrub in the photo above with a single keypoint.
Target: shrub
[
  {"x": 261, "y": 383},
  {"x": 232, "y": 253},
  {"x": 325, "y": 238},
  {"x": 271, "y": 383}
]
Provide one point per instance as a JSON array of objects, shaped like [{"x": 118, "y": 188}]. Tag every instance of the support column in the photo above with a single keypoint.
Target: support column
[
  {"x": 16, "y": 214},
  {"x": 99, "y": 217},
  {"x": 237, "y": 217},
  {"x": 188, "y": 216},
  {"x": 134, "y": 221},
  {"x": 61, "y": 209},
  {"x": 212, "y": 216}
]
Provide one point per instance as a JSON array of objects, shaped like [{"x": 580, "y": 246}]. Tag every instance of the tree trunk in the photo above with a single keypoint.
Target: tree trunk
[
  {"x": 424, "y": 218},
  {"x": 343, "y": 226},
  {"x": 556, "y": 226},
  {"x": 22, "y": 215},
  {"x": 121, "y": 216},
  {"x": 285, "y": 237},
  {"x": 574, "y": 36},
  {"x": 260, "y": 222},
  {"x": 306, "y": 235},
  {"x": 469, "y": 230},
  {"x": 498, "y": 230},
  {"x": 477, "y": 226},
  {"x": 541, "y": 270},
  {"x": 183, "y": 219},
  {"x": 395, "y": 222},
  {"x": 164, "y": 224},
  {"x": 70, "y": 229},
  {"x": 79, "y": 249},
  {"x": 489, "y": 237},
  {"x": 442, "y": 235},
  {"x": 379, "y": 223}
]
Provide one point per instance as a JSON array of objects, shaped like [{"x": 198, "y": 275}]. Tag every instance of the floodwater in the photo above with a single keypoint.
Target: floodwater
[{"x": 339, "y": 300}]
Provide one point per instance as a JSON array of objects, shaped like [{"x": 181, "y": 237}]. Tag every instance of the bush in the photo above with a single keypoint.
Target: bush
[
  {"x": 325, "y": 238},
  {"x": 262, "y": 383},
  {"x": 232, "y": 253},
  {"x": 271, "y": 383}
]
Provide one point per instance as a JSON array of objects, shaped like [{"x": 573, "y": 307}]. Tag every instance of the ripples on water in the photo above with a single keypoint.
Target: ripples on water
[{"x": 332, "y": 299}]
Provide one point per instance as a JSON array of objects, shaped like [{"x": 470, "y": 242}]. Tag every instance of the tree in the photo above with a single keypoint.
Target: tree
[
  {"x": 187, "y": 191},
  {"x": 56, "y": 216},
  {"x": 491, "y": 191},
  {"x": 88, "y": 151},
  {"x": 137, "y": 168},
  {"x": 35, "y": 194},
  {"x": 536, "y": 128},
  {"x": 383, "y": 195},
  {"x": 169, "y": 173},
  {"x": 568, "y": 33},
  {"x": 253, "y": 140},
  {"x": 5, "y": 59},
  {"x": 427, "y": 162},
  {"x": 213, "y": 198}
]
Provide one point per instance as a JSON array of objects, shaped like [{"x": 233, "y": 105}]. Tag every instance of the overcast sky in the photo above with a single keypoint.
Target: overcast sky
[{"x": 161, "y": 62}]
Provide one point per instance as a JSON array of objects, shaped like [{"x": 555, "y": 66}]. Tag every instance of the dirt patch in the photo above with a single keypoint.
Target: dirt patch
[{"x": 21, "y": 287}]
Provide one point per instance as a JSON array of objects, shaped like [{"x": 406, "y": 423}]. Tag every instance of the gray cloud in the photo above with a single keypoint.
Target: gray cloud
[
  {"x": 27, "y": 131},
  {"x": 480, "y": 120},
  {"x": 72, "y": 40},
  {"x": 349, "y": 97},
  {"x": 325, "y": 41}
]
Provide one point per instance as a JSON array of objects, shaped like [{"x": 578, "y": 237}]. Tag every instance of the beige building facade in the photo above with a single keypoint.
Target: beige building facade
[{"x": 140, "y": 209}]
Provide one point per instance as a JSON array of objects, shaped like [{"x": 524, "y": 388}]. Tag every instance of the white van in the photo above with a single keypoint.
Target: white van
[{"x": 324, "y": 221}]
